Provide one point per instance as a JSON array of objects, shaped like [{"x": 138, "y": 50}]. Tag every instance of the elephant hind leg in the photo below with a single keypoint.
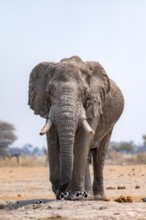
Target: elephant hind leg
[
  {"x": 99, "y": 154},
  {"x": 88, "y": 176}
]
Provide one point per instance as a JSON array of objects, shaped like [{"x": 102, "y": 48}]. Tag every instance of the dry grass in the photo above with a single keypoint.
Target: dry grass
[
  {"x": 139, "y": 158},
  {"x": 24, "y": 162},
  {"x": 122, "y": 159},
  {"x": 115, "y": 159}
]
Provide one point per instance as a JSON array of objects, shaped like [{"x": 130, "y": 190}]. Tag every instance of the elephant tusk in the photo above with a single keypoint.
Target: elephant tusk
[
  {"x": 87, "y": 127},
  {"x": 46, "y": 128}
]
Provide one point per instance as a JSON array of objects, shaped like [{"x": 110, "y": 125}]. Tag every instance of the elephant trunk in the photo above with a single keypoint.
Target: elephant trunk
[{"x": 67, "y": 122}]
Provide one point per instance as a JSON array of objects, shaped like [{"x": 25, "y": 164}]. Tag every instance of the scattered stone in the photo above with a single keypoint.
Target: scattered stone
[
  {"x": 2, "y": 206},
  {"x": 144, "y": 199},
  {"x": 103, "y": 207},
  {"x": 56, "y": 217},
  {"x": 59, "y": 208},
  {"x": 137, "y": 187},
  {"x": 121, "y": 187},
  {"x": 36, "y": 206},
  {"x": 123, "y": 199},
  {"x": 18, "y": 195},
  {"x": 49, "y": 207},
  {"x": 110, "y": 188}
]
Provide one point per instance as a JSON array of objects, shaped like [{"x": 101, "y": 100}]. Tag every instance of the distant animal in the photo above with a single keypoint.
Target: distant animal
[
  {"x": 17, "y": 157},
  {"x": 81, "y": 106},
  {"x": 14, "y": 152}
]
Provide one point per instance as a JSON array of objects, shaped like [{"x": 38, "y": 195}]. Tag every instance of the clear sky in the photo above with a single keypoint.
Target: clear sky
[{"x": 112, "y": 32}]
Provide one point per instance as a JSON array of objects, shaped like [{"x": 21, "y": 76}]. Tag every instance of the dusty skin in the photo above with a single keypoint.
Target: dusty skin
[{"x": 25, "y": 193}]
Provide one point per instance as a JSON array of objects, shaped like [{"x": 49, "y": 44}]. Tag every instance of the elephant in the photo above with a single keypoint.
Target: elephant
[{"x": 81, "y": 105}]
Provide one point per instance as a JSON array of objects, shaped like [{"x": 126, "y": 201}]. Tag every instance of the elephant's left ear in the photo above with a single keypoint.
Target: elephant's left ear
[
  {"x": 99, "y": 86},
  {"x": 38, "y": 98}
]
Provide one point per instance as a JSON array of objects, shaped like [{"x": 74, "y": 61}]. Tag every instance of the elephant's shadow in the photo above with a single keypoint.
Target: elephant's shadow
[{"x": 22, "y": 203}]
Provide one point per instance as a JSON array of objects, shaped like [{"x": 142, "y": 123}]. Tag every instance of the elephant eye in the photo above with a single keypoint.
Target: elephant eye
[{"x": 50, "y": 89}]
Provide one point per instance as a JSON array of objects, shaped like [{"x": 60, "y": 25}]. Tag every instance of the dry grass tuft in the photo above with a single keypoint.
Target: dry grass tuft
[
  {"x": 123, "y": 159},
  {"x": 24, "y": 161},
  {"x": 114, "y": 159}
]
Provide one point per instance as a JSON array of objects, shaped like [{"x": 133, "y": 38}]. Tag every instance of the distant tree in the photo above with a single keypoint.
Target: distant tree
[
  {"x": 144, "y": 139},
  {"x": 123, "y": 146},
  {"x": 7, "y": 137}
]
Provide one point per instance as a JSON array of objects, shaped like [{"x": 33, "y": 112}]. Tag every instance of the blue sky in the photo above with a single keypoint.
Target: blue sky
[{"x": 109, "y": 31}]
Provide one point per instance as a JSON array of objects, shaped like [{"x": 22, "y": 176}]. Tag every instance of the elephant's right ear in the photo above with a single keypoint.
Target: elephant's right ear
[
  {"x": 38, "y": 96},
  {"x": 99, "y": 86}
]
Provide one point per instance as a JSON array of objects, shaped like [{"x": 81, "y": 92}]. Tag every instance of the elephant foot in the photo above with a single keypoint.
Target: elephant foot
[
  {"x": 90, "y": 196},
  {"x": 61, "y": 191},
  {"x": 62, "y": 196},
  {"x": 100, "y": 197},
  {"x": 74, "y": 196}
]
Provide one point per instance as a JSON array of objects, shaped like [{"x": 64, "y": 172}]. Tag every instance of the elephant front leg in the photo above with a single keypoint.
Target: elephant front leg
[
  {"x": 81, "y": 176},
  {"x": 54, "y": 162},
  {"x": 81, "y": 150},
  {"x": 99, "y": 154}
]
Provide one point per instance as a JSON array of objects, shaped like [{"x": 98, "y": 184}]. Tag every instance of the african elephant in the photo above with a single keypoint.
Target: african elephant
[{"x": 81, "y": 106}]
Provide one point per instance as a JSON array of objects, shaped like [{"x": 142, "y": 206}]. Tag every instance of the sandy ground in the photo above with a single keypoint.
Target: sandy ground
[{"x": 25, "y": 193}]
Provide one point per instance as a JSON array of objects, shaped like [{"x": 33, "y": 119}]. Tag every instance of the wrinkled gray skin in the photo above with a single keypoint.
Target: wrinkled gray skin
[{"x": 68, "y": 92}]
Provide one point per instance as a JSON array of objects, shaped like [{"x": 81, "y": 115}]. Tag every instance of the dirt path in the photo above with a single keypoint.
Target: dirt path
[{"x": 25, "y": 193}]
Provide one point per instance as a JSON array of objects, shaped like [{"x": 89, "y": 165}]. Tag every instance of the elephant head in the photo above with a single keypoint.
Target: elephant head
[{"x": 67, "y": 94}]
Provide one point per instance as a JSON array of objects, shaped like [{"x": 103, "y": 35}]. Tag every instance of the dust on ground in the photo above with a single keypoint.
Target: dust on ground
[{"x": 25, "y": 193}]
